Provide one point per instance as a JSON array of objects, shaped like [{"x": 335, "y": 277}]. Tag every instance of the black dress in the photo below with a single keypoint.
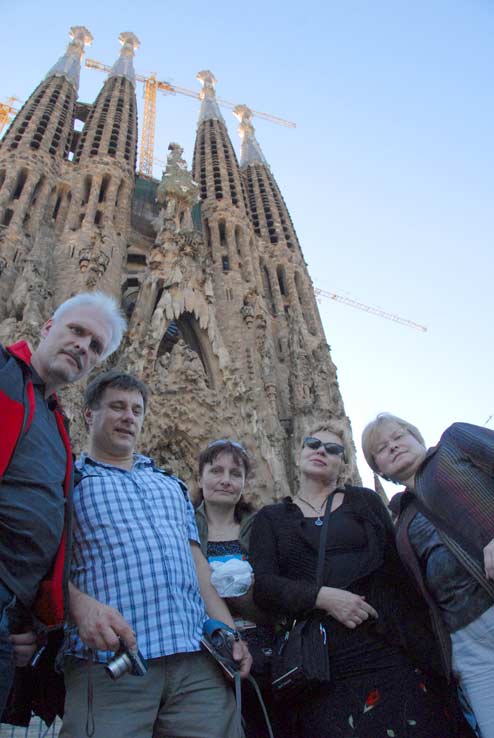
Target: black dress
[{"x": 384, "y": 673}]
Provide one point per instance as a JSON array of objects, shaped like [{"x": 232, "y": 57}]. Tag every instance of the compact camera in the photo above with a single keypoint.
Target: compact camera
[
  {"x": 126, "y": 661},
  {"x": 218, "y": 639}
]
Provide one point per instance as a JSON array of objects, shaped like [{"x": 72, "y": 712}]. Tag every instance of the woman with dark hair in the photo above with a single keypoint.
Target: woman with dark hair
[
  {"x": 445, "y": 537},
  {"x": 224, "y": 518},
  {"x": 224, "y": 521},
  {"x": 378, "y": 639}
]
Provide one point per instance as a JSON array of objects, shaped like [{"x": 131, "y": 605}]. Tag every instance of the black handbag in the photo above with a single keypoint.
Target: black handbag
[{"x": 300, "y": 656}]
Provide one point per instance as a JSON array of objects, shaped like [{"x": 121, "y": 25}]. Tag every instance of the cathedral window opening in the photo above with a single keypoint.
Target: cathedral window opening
[
  {"x": 268, "y": 292},
  {"x": 98, "y": 217},
  {"x": 104, "y": 188},
  {"x": 136, "y": 259},
  {"x": 2, "y": 177},
  {"x": 229, "y": 294},
  {"x": 129, "y": 303},
  {"x": 280, "y": 272},
  {"x": 56, "y": 208},
  {"x": 238, "y": 242},
  {"x": 119, "y": 193},
  {"x": 7, "y": 216},
  {"x": 222, "y": 233},
  {"x": 226, "y": 263},
  {"x": 21, "y": 181},
  {"x": 36, "y": 190},
  {"x": 187, "y": 329},
  {"x": 87, "y": 189},
  {"x": 207, "y": 231}
]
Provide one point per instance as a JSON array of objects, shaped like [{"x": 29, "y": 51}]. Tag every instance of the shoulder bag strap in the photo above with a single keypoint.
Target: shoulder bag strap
[{"x": 322, "y": 542}]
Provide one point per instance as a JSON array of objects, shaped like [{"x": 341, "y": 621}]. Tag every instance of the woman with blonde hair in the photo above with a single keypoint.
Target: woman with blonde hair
[
  {"x": 445, "y": 537},
  {"x": 376, "y": 637}
]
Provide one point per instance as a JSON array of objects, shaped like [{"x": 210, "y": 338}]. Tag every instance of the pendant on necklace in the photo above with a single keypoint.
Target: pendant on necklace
[{"x": 318, "y": 522}]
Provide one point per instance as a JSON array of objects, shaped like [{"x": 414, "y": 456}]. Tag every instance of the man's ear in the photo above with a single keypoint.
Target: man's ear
[
  {"x": 88, "y": 417},
  {"x": 46, "y": 328}
]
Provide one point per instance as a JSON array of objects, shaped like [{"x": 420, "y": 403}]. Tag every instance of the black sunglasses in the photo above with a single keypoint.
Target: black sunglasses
[
  {"x": 227, "y": 442},
  {"x": 335, "y": 449}
]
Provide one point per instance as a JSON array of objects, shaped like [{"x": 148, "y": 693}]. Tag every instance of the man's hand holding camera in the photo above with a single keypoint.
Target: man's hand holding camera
[{"x": 100, "y": 626}]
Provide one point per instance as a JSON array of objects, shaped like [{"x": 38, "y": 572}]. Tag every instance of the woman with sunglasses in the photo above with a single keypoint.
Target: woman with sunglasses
[
  {"x": 224, "y": 521},
  {"x": 377, "y": 637}
]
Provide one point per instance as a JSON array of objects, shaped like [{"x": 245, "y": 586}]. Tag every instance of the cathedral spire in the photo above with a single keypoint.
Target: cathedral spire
[
  {"x": 209, "y": 107},
  {"x": 69, "y": 65},
  {"x": 124, "y": 66},
  {"x": 250, "y": 151}
]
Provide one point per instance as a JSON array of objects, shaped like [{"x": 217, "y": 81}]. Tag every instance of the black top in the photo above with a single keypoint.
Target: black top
[
  {"x": 361, "y": 557},
  {"x": 459, "y": 596},
  {"x": 32, "y": 502},
  {"x": 345, "y": 547}
]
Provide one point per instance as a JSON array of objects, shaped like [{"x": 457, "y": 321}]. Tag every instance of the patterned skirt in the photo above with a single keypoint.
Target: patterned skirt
[{"x": 376, "y": 693}]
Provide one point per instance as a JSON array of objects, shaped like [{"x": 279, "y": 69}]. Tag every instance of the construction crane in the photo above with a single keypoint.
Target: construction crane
[
  {"x": 151, "y": 87},
  {"x": 7, "y": 110},
  {"x": 369, "y": 309}
]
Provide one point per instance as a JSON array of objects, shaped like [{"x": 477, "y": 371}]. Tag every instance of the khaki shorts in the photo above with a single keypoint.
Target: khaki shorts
[{"x": 181, "y": 696}]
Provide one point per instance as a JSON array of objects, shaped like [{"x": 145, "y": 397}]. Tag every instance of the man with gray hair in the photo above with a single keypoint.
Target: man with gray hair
[{"x": 36, "y": 469}]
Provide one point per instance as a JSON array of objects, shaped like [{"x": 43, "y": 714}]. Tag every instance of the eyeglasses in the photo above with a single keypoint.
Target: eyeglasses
[
  {"x": 227, "y": 442},
  {"x": 335, "y": 449}
]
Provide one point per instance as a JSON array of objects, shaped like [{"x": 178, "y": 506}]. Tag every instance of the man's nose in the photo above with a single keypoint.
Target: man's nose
[
  {"x": 82, "y": 343},
  {"x": 128, "y": 415}
]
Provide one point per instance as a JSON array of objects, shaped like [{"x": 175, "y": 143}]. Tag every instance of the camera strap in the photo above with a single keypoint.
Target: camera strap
[
  {"x": 256, "y": 689},
  {"x": 90, "y": 724}
]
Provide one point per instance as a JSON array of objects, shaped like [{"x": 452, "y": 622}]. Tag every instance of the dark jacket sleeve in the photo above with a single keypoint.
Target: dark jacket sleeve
[
  {"x": 273, "y": 592},
  {"x": 474, "y": 442}
]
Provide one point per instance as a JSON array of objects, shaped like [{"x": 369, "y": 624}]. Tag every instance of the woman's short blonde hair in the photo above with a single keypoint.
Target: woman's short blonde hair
[
  {"x": 340, "y": 429},
  {"x": 370, "y": 432}
]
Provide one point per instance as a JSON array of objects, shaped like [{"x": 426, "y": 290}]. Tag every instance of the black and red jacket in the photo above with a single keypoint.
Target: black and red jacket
[{"x": 17, "y": 405}]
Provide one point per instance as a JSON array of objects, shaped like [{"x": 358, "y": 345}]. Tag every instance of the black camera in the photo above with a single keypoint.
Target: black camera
[{"x": 126, "y": 661}]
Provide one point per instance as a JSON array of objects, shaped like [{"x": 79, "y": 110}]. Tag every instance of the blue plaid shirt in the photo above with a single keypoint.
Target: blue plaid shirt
[{"x": 131, "y": 550}]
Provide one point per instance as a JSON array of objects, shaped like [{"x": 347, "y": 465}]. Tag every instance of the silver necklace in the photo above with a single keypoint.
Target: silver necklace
[{"x": 318, "y": 520}]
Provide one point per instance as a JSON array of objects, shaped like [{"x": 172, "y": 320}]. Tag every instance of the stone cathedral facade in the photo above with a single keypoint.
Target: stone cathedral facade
[{"x": 223, "y": 321}]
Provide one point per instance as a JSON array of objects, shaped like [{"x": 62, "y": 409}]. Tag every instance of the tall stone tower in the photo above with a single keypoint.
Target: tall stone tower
[
  {"x": 92, "y": 249},
  {"x": 33, "y": 186},
  {"x": 223, "y": 322}
]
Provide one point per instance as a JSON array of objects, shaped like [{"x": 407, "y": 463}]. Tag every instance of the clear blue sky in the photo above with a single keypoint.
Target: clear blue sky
[{"x": 388, "y": 175}]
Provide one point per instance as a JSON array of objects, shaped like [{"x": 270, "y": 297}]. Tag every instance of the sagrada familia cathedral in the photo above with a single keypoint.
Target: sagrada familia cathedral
[{"x": 223, "y": 320}]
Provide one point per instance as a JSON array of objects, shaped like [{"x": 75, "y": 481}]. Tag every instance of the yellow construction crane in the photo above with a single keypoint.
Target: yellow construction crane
[
  {"x": 369, "y": 309},
  {"x": 151, "y": 87},
  {"x": 7, "y": 110}
]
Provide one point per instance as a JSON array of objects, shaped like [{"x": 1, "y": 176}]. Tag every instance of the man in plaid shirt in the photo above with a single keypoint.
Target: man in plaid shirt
[{"x": 138, "y": 575}]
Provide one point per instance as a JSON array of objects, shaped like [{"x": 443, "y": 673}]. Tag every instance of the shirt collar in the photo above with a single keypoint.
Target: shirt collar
[{"x": 85, "y": 460}]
